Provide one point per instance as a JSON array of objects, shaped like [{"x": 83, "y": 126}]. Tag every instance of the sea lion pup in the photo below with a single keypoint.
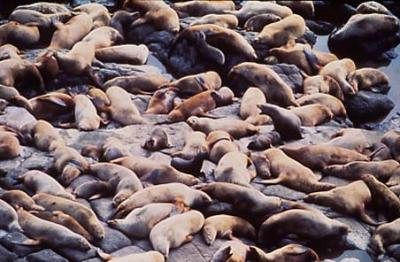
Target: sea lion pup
[
  {"x": 129, "y": 54},
  {"x": 392, "y": 140},
  {"x": 97, "y": 12},
  {"x": 18, "y": 198},
  {"x": 9, "y": 51},
  {"x": 257, "y": 22},
  {"x": 288, "y": 253},
  {"x": 236, "y": 128},
  {"x": 382, "y": 170},
  {"x": 303, "y": 8},
  {"x": 384, "y": 236},
  {"x": 291, "y": 173},
  {"x": 267, "y": 80},
  {"x": 313, "y": 114},
  {"x": 248, "y": 107},
  {"x": 292, "y": 222},
  {"x": 227, "y": 21},
  {"x": 19, "y": 35},
  {"x": 9, "y": 144},
  {"x": 317, "y": 157},
  {"x": 286, "y": 122},
  {"x": 149, "y": 256},
  {"x": 86, "y": 117},
  {"x": 233, "y": 168},
  {"x": 122, "y": 109},
  {"x": 52, "y": 106},
  {"x": 166, "y": 193},
  {"x": 175, "y": 231},
  {"x": 350, "y": 199},
  {"x": 200, "y": 104},
  {"x": 45, "y": 8},
  {"x": 371, "y": 7},
  {"x": 253, "y": 8},
  {"x": 212, "y": 40},
  {"x": 12, "y": 96},
  {"x": 265, "y": 141},
  {"x": 162, "y": 101},
  {"x": 340, "y": 71},
  {"x": 195, "y": 144},
  {"x": 68, "y": 163},
  {"x": 157, "y": 140},
  {"x": 49, "y": 233},
  {"x": 9, "y": 219},
  {"x": 40, "y": 182},
  {"x": 86, "y": 217},
  {"x": 383, "y": 196},
  {"x": 123, "y": 181},
  {"x": 190, "y": 85},
  {"x": 103, "y": 37},
  {"x": 225, "y": 226},
  {"x": 370, "y": 79},
  {"x": 70, "y": 33},
  {"x": 322, "y": 84},
  {"x": 220, "y": 143},
  {"x": 203, "y": 8},
  {"x": 233, "y": 250},
  {"x": 332, "y": 103},
  {"x": 138, "y": 84},
  {"x": 279, "y": 33},
  {"x": 155, "y": 172},
  {"x": 140, "y": 221}
]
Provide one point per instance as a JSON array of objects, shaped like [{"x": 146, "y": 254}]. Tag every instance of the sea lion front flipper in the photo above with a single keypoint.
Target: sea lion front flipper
[{"x": 208, "y": 51}]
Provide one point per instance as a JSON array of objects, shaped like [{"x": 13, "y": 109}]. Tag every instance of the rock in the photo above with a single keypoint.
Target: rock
[
  {"x": 119, "y": 253},
  {"x": 291, "y": 74},
  {"x": 77, "y": 255},
  {"x": 320, "y": 27},
  {"x": 16, "y": 117},
  {"x": 283, "y": 192},
  {"x": 103, "y": 208},
  {"x": 113, "y": 240},
  {"x": 6, "y": 254},
  {"x": 45, "y": 255},
  {"x": 12, "y": 242}
]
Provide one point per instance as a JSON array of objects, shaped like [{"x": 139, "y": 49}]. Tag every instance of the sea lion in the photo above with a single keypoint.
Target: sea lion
[
  {"x": 226, "y": 226},
  {"x": 288, "y": 253},
  {"x": 50, "y": 233},
  {"x": 69, "y": 163},
  {"x": 124, "y": 54},
  {"x": 220, "y": 143},
  {"x": 86, "y": 117},
  {"x": 271, "y": 84},
  {"x": 112, "y": 148},
  {"x": 63, "y": 219},
  {"x": 322, "y": 84},
  {"x": 257, "y": 22},
  {"x": 291, "y": 173},
  {"x": 236, "y": 128},
  {"x": 292, "y": 222},
  {"x": 121, "y": 20},
  {"x": 203, "y": 8},
  {"x": 340, "y": 71},
  {"x": 103, "y": 37},
  {"x": 261, "y": 164},
  {"x": 86, "y": 217},
  {"x": 9, "y": 218},
  {"x": 265, "y": 141},
  {"x": 162, "y": 101},
  {"x": 195, "y": 144},
  {"x": 138, "y": 84},
  {"x": 286, "y": 123},
  {"x": 350, "y": 199},
  {"x": 233, "y": 168},
  {"x": 313, "y": 114},
  {"x": 18, "y": 198},
  {"x": 227, "y": 21},
  {"x": 52, "y": 106},
  {"x": 332, "y": 103},
  {"x": 392, "y": 140},
  {"x": 370, "y": 79},
  {"x": 48, "y": 65},
  {"x": 371, "y": 7},
  {"x": 149, "y": 256},
  {"x": 157, "y": 140},
  {"x": 19, "y": 35},
  {"x": 92, "y": 190},
  {"x": 279, "y": 33},
  {"x": 9, "y": 145},
  {"x": 190, "y": 85},
  {"x": 45, "y": 7},
  {"x": 68, "y": 34},
  {"x": 40, "y": 182},
  {"x": 248, "y": 107},
  {"x": 9, "y": 51},
  {"x": 166, "y": 193},
  {"x": 43, "y": 21},
  {"x": 122, "y": 108},
  {"x": 317, "y": 157},
  {"x": 175, "y": 231},
  {"x": 384, "y": 236},
  {"x": 44, "y": 136},
  {"x": 100, "y": 101},
  {"x": 140, "y": 221},
  {"x": 233, "y": 250},
  {"x": 98, "y": 13}
]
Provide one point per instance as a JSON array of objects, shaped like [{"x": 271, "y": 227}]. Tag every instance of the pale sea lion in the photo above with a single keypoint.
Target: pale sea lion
[
  {"x": 45, "y": 7},
  {"x": 149, "y": 256},
  {"x": 392, "y": 140},
  {"x": 9, "y": 51},
  {"x": 220, "y": 143},
  {"x": 248, "y": 107},
  {"x": 195, "y": 144},
  {"x": 372, "y": 7},
  {"x": 9, "y": 218},
  {"x": 130, "y": 54},
  {"x": 228, "y": 21},
  {"x": 322, "y": 84},
  {"x": 86, "y": 117},
  {"x": 18, "y": 198},
  {"x": 313, "y": 114},
  {"x": 203, "y": 8},
  {"x": 45, "y": 137},
  {"x": 233, "y": 168},
  {"x": 233, "y": 250},
  {"x": 370, "y": 79},
  {"x": 43, "y": 21},
  {"x": 288, "y": 253},
  {"x": 137, "y": 84},
  {"x": 100, "y": 101},
  {"x": 98, "y": 12},
  {"x": 340, "y": 71},
  {"x": 9, "y": 145},
  {"x": 69, "y": 163},
  {"x": 103, "y": 37},
  {"x": 335, "y": 105}
]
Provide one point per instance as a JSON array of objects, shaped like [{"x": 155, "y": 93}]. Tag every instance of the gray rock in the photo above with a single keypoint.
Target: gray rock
[
  {"x": 77, "y": 255},
  {"x": 103, "y": 208},
  {"x": 114, "y": 240},
  {"x": 7, "y": 255},
  {"x": 45, "y": 255},
  {"x": 12, "y": 242},
  {"x": 16, "y": 117}
]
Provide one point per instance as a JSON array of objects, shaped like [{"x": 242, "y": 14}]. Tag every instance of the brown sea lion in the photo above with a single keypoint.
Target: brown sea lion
[
  {"x": 98, "y": 13},
  {"x": 18, "y": 198},
  {"x": 140, "y": 221},
  {"x": 157, "y": 140},
  {"x": 317, "y": 157},
  {"x": 19, "y": 35},
  {"x": 271, "y": 84},
  {"x": 248, "y": 107},
  {"x": 332, "y": 103},
  {"x": 194, "y": 84},
  {"x": 103, "y": 37},
  {"x": 350, "y": 199},
  {"x": 322, "y": 84},
  {"x": 9, "y": 145},
  {"x": 9, "y": 218},
  {"x": 138, "y": 84},
  {"x": 9, "y": 51},
  {"x": 236, "y": 128},
  {"x": 234, "y": 251},
  {"x": 227, "y": 21},
  {"x": 370, "y": 79},
  {"x": 220, "y": 143},
  {"x": 44, "y": 136},
  {"x": 12, "y": 96},
  {"x": 162, "y": 101},
  {"x": 265, "y": 141},
  {"x": 166, "y": 193},
  {"x": 279, "y": 33},
  {"x": 313, "y": 114},
  {"x": 52, "y": 106},
  {"x": 257, "y": 22},
  {"x": 100, "y": 101},
  {"x": 68, "y": 163},
  {"x": 86, "y": 217},
  {"x": 202, "y": 8},
  {"x": 129, "y": 54},
  {"x": 340, "y": 71},
  {"x": 175, "y": 231},
  {"x": 43, "y": 21},
  {"x": 392, "y": 140},
  {"x": 288, "y": 253},
  {"x": 384, "y": 236},
  {"x": 291, "y": 173},
  {"x": 225, "y": 226},
  {"x": 86, "y": 117}
]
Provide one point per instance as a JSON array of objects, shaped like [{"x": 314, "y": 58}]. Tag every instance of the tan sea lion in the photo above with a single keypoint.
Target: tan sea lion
[
  {"x": 19, "y": 35},
  {"x": 369, "y": 79},
  {"x": 9, "y": 145},
  {"x": 203, "y": 8},
  {"x": 257, "y": 22},
  {"x": 86, "y": 217},
  {"x": 233, "y": 250},
  {"x": 103, "y": 37},
  {"x": 227, "y": 21},
  {"x": 252, "y": 8},
  {"x": 92, "y": 190},
  {"x": 392, "y": 140},
  {"x": 138, "y": 84},
  {"x": 195, "y": 144},
  {"x": 291, "y": 173},
  {"x": 226, "y": 226},
  {"x": 100, "y": 101},
  {"x": 322, "y": 84},
  {"x": 44, "y": 136},
  {"x": 69, "y": 163},
  {"x": 162, "y": 101},
  {"x": 340, "y": 71},
  {"x": 98, "y": 13},
  {"x": 45, "y": 7},
  {"x": 18, "y": 198},
  {"x": 52, "y": 105},
  {"x": 9, "y": 218},
  {"x": 129, "y": 54},
  {"x": 248, "y": 107},
  {"x": 332, "y": 103},
  {"x": 220, "y": 143},
  {"x": 288, "y": 253},
  {"x": 12, "y": 96},
  {"x": 9, "y": 51},
  {"x": 86, "y": 117},
  {"x": 384, "y": 236},
  {"x": 157, "y": 140},
  {"x": 313, "y": 114},
  {"x": 175, "y": 231}
]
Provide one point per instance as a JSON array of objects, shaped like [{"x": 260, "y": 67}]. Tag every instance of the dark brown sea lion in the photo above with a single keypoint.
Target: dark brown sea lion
[
  {"x": 157, "y": 140},
  {"x": 9, "y": 145},
  {"x": 43, "y": 21},
  {"x": 52, "y": 106},
  {"x": 313, "y": 114},
  {"x": 265, "y": 141},
  {"x": 257, "y": 22},
  {"x": 303, "y": 8},
  {"x": 392, "y": 140},
  {"x": 370, "y": 79},
  {"x": 248, "y": 107},
  {"x": 234, "y": 250},
  {"x": 19, "y": 35}
]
